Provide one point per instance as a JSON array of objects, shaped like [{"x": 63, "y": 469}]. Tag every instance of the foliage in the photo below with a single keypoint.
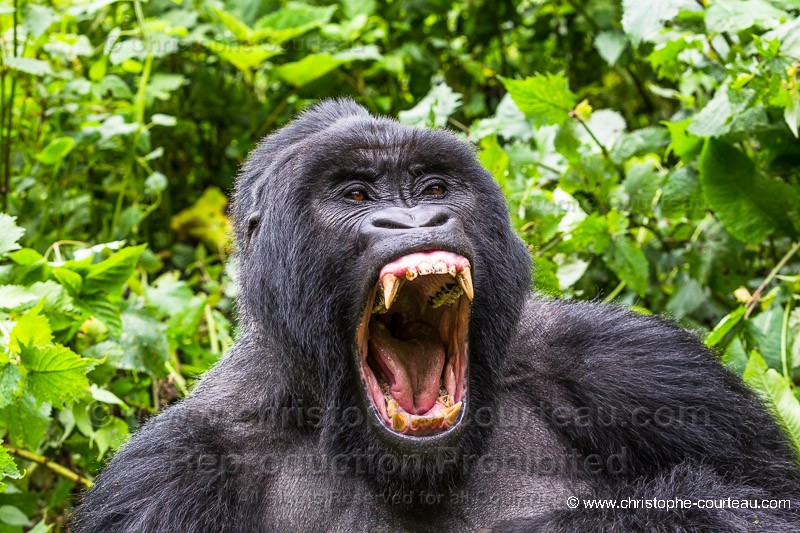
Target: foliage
[{"x": 648, "y": 151}]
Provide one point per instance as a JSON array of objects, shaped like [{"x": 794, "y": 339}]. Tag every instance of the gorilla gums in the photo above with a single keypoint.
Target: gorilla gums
[{"x": 393, "y": 373}]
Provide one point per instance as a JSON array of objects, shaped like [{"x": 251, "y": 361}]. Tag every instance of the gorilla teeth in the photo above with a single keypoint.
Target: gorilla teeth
[
  {"x": 391, "y": 284},
  {"x": 411, "y": 274},
  {"x": 465, "y": 280}
]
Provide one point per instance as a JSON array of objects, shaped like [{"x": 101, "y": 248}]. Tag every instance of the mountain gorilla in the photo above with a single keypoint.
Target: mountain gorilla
[{"x": 393, "y": 372}]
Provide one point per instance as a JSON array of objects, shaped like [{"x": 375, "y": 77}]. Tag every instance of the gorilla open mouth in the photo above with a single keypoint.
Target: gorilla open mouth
[{"x": 412, "y": 342}]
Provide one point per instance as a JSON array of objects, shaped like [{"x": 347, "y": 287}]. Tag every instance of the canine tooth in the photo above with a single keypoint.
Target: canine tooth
[
  {"x": 424, "y": 268},
  {"x": 465, "y": 279},
  {"x": 451, "y": 414},
  {"x": 440, "y": 267},
  {"x": 411, "y": 273},
  {"x": 391, "y": 284},
  {"x": 399, "y": 422}
]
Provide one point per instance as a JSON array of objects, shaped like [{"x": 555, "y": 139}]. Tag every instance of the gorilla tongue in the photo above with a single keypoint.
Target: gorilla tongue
[{"x": 412, "y": 364}]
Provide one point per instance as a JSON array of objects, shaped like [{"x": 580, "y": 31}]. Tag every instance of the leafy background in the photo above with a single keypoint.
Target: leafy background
[{"x": 648, "y": 151}]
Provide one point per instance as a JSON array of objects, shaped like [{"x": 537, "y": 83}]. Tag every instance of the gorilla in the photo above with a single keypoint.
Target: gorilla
[{"x": 393, "y": 372}]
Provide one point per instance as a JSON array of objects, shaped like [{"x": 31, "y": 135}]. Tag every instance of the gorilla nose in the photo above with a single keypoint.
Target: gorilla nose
[{"x": 407, "y": 219}]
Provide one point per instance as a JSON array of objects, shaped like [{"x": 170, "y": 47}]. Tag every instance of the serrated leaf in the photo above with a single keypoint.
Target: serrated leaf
[
  {"x": 292, "y": 21},
  {"x": 736, "y": 15},
  {"x": 55, "y": 374},
  {"x": 434, "y": 109},
  {"x": 545, "y": 99},
  {"x": 110, "y": 275},
  {"x": 777, "y": 390},
  {"x": 8, "y": 468},
  {"x": 25, "y": 422},
  {"x": 10, "y": 234},
  {"x": 628, "y": 262},
  {"x": 32, "y": 329},
  {"x": 750, "y": 206},
  {"x": 642, "y": 20}
]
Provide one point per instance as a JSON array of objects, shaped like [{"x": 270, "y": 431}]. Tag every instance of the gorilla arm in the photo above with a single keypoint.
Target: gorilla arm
[{"x": 619, "y": 384}]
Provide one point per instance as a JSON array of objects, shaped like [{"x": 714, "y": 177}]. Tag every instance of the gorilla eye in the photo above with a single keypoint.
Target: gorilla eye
[
  {"x": 357, "y": 195},
  {"x": 437, "y": 189}
]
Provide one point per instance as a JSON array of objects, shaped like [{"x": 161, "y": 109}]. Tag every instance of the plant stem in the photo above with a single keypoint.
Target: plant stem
[
  {"x": 62, "y": 471},
  {"x": 784, "y": 333},
  {"x": 751, "y": 302}
]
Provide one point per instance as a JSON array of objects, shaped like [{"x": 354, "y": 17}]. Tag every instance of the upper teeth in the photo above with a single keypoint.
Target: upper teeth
[{"x": 390, "y": 284}]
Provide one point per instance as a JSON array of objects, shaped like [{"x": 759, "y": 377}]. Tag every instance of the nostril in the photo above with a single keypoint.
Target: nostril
[
  {"x": 438, "y": 219},
  {"x": 389, "y": 223}
]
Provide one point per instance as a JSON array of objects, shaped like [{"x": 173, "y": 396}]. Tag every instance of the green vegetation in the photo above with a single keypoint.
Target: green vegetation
[{"x": 648, "y": 151}]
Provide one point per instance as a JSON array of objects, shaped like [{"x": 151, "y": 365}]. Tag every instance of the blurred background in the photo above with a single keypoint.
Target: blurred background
[{"x": 648, "y": 152}]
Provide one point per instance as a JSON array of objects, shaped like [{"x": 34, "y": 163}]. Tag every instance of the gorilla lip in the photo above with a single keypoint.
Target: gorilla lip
[{"x": 412, "y": 341}]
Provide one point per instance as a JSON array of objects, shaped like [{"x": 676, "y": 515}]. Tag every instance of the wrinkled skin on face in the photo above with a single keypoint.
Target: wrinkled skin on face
[{"x": 329, "y": 206}]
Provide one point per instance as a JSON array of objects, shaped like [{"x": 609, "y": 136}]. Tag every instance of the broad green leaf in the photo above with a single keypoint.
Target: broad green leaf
[
  {"x": 12, "y": 516},
  {"x": 55, "y": 374},
  {"x": 749, "y": 205},
  {"x": 494, "y": 158},
  {"x": 714, "y": 119},
  {"x": 628, "y": 262},
  {"x": 545, "y": 99},
  {"x": 106, "y": 311},
  {"x": 32, "y": 329},
  {"x": 778, "y": 391},
  {"x": 736, "y": 15},
  {"x": 724, "y": 326},
  {"x": 28, "y": 65},
  {"x": 8, "y": 468},
  {"x": 292, "y": 21},
  {"x": 110, "y": 275},
  {"x": 642, "y": 181},
  {"x": 308, "y": 69},
  {"x": 142, "y": 346},
  {"x": 10, "y": 234},
  {"x": 434, "y": 109},
  {"x": 111, "y": 435},
  {"x": 56, "y": 150},
  {"x": 10, "y": 381},
  {"x": 610, "y": 45},
  {"x": 239, "y": 29},
  {"x": 243, "y": 57},
  {"x": 25, "y": 422},
  {"x": 205, "y": 220},
  {"x": 69, "y": 279},
  {"x": 38, "y": 19},
  {"x": 642, "y": 20},
  {"x": 168, "y": 295}
]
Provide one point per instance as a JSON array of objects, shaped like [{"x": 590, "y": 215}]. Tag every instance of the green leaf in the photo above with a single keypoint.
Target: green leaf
[
  {"x": 69, "y": 279},
  {"x": 32, "y": 329},
  {"x": 292, "y": 21},
  {"x": 750, "y": 206},
  {"x": 113, "y": 434},
  {"x": 110, "y": 275},
  {"x": 610, "y": 45},
  {"x": 243, "y": 57},
  {"x": 308, "y": 69},
  {"x": 168, "y": 295},
  {"x": 104, "y": 310},
  {"x": 724, "y": 326},
  {"x": 56, "y": 150},
  {"x": 628, "y": 262},
  {"x": 736, "y": 15},
  {"x": 10, "y": 234},
  {"x": 55, "y": 374},
  {"x": 13, "y": 516},
  {"x": 714, "y": 119},
  {"x": 8, "y": 468},
  {"x": 778, "y": 391},
  {"x": 642, "y": 20},
  {"x": 28, "y": 65},
  {"x": 545, "y": 99},
  {"x": 494, "y": 158},
  {"x": 25, "y": 422},
  {"x": 434, "y": 109}
]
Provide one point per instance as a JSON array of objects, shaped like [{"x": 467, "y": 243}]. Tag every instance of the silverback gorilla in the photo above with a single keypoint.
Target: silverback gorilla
[{"x": 393, "y": 373}]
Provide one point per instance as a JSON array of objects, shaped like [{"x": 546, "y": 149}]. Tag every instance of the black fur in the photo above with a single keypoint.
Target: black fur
[{"x": 564, "y": 399}]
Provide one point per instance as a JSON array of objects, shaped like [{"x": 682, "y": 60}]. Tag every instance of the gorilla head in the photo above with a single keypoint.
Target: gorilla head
[{"x": 382, "y": 269}]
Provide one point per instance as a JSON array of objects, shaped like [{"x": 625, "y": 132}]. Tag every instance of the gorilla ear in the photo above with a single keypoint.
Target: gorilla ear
[{"x": 252, "y": 225}]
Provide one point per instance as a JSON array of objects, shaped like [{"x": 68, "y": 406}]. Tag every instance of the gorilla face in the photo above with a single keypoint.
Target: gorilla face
[{"x": 359, "y": 239}]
